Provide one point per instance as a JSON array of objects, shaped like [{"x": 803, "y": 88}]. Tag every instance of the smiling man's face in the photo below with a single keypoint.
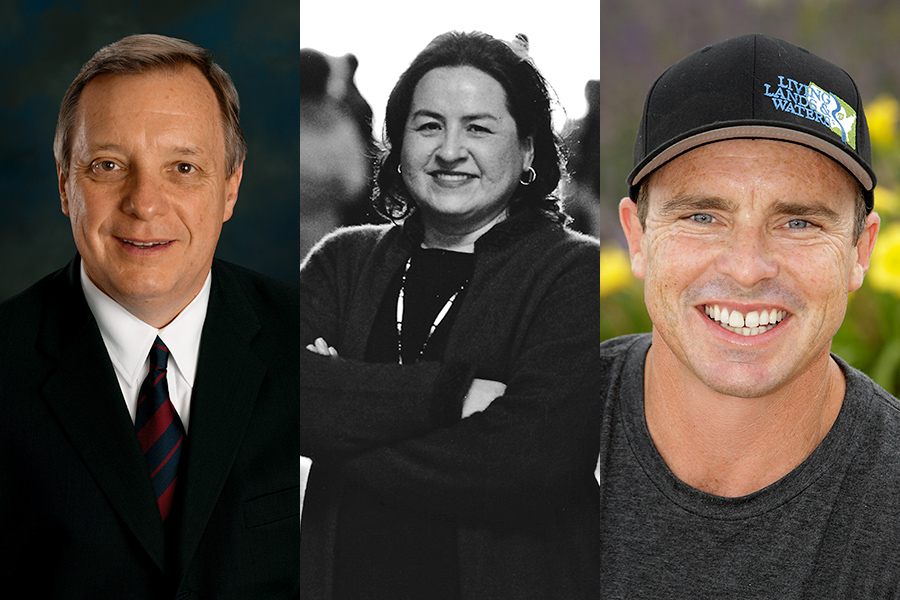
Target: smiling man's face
[
  {"x": 146, "y": 190},
  {"x": 747, "y": 257}
]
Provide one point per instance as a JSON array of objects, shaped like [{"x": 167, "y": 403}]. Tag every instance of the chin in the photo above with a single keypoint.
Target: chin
[{"x": 742, "y": 382}]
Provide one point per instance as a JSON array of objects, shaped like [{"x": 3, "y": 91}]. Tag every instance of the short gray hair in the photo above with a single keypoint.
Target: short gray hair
[{"x": 144, "y": 53}]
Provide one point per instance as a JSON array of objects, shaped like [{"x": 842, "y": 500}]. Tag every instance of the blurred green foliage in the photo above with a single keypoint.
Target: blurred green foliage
[{"x": 640, "y": 39}]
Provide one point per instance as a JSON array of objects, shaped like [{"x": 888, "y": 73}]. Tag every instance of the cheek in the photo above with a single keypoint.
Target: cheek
[
  {"x": 85, "y": 209},
  {"x": 674, "y": 260},
  {"x": 825, "y": 285},
  {"x": 824, "y": 267},
  {"x": 201, "y": 212},
  {"x": 505, "y": 163},
  {"x": 414, "y": 151},
  {"x": 673, "y": 274}
]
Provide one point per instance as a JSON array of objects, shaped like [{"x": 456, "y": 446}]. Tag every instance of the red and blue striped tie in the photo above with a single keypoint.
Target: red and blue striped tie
[{"x": 159, "y": 430}]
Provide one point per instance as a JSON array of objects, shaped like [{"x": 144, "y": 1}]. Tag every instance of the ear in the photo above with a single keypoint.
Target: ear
[
  {"x": 528, "y": 150},
  {"x": 862, "y": 252},
  {"x": 634, "y": 233},
  {"x": 232, "y": 185},
  {"x": 63, "y": 196}
]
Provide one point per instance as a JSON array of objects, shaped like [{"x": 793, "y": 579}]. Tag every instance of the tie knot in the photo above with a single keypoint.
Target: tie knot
[{"x": 159, "y": 354}]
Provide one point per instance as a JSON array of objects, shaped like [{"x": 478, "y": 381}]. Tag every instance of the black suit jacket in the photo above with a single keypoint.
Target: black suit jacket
[{"x": 78, "y": 518}]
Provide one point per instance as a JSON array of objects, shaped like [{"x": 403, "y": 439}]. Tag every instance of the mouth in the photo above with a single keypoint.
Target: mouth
[
  {"x": 145, "y": 244},
  {"x": 755, "y": 322},
  {"x": 452, "y": 176}
]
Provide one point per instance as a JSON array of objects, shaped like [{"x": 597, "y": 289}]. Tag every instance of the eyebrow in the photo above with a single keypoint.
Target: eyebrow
[
  {"x": 104, "y": 147},
  {"x": 681, "y": 204},
  {"x": 188, "y": 151},
  {"x": 434, "y": 115},
  {"x": 180, "y": 150},
  {"x": 805, "y": 210}
]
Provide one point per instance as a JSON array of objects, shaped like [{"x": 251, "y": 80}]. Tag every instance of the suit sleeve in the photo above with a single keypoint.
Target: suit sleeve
[
  {"x": 532, "y": 448},
  {"x": 348, "y": 406}
]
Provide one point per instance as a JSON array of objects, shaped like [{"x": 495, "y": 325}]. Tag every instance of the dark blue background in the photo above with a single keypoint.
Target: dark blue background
[{"x": 43, "y": 45}]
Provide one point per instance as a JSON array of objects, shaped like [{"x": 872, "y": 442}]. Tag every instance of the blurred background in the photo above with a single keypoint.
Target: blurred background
[
  {"x": 641, "y": 38},
  {"x": 45, "y": 42},
  {"x": 353, "y": 53}
]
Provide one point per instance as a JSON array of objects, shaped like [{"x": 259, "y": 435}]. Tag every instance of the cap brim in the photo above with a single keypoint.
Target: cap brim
[{"x": 753, "y": 131}]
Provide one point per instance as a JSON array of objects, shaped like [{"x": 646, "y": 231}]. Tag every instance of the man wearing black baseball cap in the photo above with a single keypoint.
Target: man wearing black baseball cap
[{"x": 740, "y": 458}]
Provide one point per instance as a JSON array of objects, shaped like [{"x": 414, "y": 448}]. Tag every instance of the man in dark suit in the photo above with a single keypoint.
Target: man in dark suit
[{"x": 147, "y": 391}]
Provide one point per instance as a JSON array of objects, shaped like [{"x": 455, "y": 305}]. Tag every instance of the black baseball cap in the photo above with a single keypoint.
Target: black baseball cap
[{"x": 754, "y": 86}]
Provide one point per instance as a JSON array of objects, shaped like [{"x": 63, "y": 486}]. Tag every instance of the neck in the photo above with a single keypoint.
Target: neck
[
  {"x": 153, "y": 311},
  {"x": 450, "y": 237},
  {"x": 730, "y": 446},
  {"x": 155, "y": 316}
]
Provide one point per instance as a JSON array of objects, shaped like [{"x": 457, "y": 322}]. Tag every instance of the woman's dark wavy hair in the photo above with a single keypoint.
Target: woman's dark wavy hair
[{"x": 527, "y": 99}]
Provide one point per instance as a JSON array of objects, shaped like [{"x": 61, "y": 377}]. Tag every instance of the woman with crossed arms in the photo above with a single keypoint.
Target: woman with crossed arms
[{"x": 447, "y": 390}]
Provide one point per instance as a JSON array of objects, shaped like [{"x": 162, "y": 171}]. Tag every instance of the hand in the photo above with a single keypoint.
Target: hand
[
  {"x": 480, "y": 395},
  {"x": 321, "y": 347}
]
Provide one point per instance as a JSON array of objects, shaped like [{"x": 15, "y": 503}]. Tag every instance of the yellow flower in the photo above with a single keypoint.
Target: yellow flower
[
  {"x": 882, "y": 115},
  {"x": 615, "y": 269},
  {"x": 887, "y": 202},
  {"x": 884, "y": 272}
]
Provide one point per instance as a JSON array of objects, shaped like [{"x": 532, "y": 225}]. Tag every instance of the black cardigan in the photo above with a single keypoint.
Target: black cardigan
[{"x": 518, "y": 477}]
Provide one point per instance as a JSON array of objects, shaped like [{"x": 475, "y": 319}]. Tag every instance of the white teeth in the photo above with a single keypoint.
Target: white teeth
[
  {"x": 452, "y": 176},
  {"x": 144, "y": 245},
  {"x": 752, "y": 319},
  {"x": 754, "y": 323}
]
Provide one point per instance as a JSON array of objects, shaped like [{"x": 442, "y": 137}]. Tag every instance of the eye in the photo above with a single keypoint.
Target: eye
[
  {"x": 429, "y": 126},
  {"x": 104, "y": 169},
  {"x": 702, "y": 218},
  {"x": 185, "y": 168},
  {"x": 798, "y": 224},
  {"x": 104, "y": 166},
  {"x": 478, "y": 128}
]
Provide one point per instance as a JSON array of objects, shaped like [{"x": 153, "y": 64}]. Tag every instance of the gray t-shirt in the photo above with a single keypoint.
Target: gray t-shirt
[{"x": 828, "y": 529}]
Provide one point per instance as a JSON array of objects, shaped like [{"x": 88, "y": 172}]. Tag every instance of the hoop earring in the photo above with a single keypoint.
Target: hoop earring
[
  {"x": 531, "y": 176},
  {"x": 399, "y": 172}
]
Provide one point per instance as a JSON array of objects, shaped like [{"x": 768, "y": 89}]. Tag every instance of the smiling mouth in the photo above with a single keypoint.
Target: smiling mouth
[
  {"x": 144, "y": 244},
  {"x": 753, "y": 323},
  {"x": 451, "y": 176}
]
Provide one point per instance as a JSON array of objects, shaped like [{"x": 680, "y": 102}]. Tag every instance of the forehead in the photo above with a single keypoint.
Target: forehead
[
  {"x": 460, "y": 89},
  {"x": 155, "y": 103},
  {"x": 756, "y": 170}
]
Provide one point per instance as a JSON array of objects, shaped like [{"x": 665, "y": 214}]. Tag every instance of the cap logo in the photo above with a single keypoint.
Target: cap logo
[{"x": 816, "y": 104}]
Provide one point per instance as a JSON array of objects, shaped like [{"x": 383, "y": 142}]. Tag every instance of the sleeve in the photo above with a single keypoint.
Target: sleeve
[
  {"x": 533, "y": 447},
  {"x": 348, "y": 405}
]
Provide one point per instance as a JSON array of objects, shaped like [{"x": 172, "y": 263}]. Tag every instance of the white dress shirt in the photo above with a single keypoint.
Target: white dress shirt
[{"x": 128, "y": 341}]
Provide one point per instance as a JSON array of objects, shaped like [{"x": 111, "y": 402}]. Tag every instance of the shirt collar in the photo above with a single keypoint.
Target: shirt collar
[{"x": 128, "y": 339}]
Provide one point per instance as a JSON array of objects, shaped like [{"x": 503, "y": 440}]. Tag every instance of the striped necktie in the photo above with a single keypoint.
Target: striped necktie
[{"x": 159, "y": 430}]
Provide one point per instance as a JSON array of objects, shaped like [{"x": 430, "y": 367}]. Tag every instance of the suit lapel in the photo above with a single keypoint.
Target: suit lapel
[
  {"x": 84, "y": 394},
  {"x": 229, "y": 376}
]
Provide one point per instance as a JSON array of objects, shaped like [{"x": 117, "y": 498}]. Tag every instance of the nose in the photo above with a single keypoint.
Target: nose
[
  {"x": 144, "y": 196},
  {"x": 748, "y": 259},
  {"x": 452, "y": 147}
]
